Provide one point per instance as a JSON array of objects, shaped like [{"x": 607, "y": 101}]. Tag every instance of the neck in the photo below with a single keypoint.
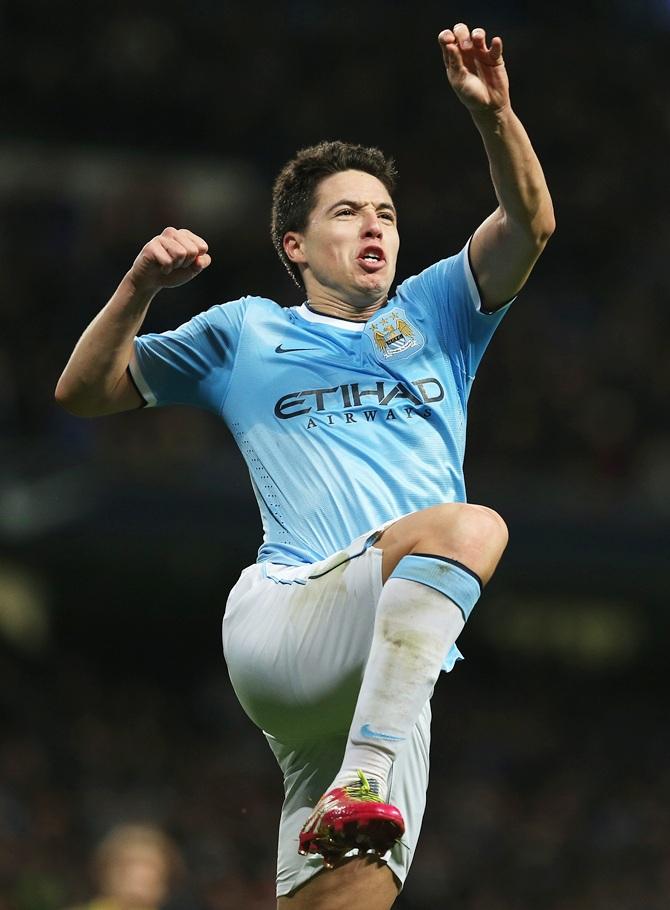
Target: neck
[{"x": 343, "y": 310}]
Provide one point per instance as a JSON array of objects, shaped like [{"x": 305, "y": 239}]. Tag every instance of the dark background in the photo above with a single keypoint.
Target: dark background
[{"x": 120, "y": 537}]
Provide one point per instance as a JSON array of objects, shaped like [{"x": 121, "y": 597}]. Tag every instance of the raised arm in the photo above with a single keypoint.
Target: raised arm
[
  {"x": 95, "y": 380},
  {"x": 507, "y": 244}
]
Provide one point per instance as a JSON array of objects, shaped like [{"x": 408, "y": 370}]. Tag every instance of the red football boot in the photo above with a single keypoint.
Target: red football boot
[{"x": 350, "y": 818}]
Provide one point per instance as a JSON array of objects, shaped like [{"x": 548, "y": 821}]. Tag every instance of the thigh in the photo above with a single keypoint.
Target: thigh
[
  {"x": 296, "y": 640},
  {"x": 358, "y": 883}
]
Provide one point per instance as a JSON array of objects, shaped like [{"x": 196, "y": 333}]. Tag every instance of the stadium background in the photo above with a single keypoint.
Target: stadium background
[{"x": 120, "y": 537}]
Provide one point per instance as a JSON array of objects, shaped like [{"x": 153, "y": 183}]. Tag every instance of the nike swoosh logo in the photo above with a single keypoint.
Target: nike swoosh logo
[
  {"x": 367, "y": 730},
  {"x": 280, "y": 349}
]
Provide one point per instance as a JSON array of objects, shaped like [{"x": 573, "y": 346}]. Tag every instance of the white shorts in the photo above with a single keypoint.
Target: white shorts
[{"x": 296, "y": 640}]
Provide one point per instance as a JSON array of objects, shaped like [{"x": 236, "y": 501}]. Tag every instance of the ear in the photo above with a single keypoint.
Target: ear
[{"x": 293, "y": 246}]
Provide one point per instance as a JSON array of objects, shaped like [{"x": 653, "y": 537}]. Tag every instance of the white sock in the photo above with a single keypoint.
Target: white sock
[{"x": 414, "y": 628}]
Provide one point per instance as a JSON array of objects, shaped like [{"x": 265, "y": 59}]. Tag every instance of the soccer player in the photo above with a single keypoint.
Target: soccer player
[{"x": 350, "y": 412}]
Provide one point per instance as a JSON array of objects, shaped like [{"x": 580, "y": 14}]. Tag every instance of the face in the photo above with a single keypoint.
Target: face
[
  {"x": 350, "y": 246},
  {"x": 138, "y": 877}
]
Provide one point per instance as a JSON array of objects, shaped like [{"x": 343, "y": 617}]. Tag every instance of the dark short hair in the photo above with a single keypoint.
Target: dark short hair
[{"x": 294, "y": 191}]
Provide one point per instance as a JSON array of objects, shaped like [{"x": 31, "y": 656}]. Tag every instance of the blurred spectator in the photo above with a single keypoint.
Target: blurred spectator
[{"x": 134, "y": 868}]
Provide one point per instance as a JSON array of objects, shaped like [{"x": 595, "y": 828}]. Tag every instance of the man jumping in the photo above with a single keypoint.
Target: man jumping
[{"x": 350, "y": 412}]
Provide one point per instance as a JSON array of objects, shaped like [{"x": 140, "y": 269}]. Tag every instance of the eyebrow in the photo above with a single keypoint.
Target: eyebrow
[{"x": 357, "y": 205}]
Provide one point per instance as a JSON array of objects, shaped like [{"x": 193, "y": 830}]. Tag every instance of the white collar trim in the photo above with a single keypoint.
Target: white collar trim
[{"x": 347, "y": 325}]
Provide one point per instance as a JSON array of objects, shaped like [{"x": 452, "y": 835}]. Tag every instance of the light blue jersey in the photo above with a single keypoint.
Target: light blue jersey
[{"x": 343, "y": 425}]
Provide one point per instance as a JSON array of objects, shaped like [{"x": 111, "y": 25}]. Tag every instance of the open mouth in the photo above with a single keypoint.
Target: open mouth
[{"x": 371, "y": 260}]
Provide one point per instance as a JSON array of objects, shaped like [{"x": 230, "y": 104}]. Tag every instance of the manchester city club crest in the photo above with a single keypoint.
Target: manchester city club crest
[{"x": 393, "y": 336}]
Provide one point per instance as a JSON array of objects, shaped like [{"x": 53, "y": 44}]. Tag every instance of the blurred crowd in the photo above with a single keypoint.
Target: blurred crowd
[
  {"x": 547, "y": 792},
  {"x": 131, "y": 121}
]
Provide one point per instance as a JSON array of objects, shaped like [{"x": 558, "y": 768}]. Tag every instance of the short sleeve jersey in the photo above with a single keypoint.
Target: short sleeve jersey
[{"x": 343, "y": 425}]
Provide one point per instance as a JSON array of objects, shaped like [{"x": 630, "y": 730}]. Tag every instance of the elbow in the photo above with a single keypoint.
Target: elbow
[
  {"x": 61, "y": 396},
  {"x": 66, "y": 399},
  {"x": 533, "y": 229},
  {"x": 535, "y": 224},
  {"x": 541, "y": 233},
  {"x": 545, "y": 227},
  {"x": 549, "y": 227}
]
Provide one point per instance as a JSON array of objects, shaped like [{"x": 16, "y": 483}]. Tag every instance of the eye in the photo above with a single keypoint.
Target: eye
[
  {"x": 387, "y": 216},
  {"x": 345, "y": 212}
]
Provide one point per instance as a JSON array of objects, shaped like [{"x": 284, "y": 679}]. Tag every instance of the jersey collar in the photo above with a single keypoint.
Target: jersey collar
[{"x": 337, "y": 322}]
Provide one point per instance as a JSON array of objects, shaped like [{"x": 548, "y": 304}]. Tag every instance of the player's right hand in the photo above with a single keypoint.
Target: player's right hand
[{"x": 169, "y": 260}]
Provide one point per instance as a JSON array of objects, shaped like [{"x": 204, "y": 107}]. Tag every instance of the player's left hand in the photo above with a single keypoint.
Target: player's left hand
[{"x": 476, "y": 72}]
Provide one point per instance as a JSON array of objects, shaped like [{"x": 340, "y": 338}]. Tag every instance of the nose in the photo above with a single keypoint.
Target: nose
[{"x": 371, "y": 226}]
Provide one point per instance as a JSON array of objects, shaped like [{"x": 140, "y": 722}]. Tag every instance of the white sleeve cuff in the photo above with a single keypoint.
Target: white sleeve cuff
[
  {"x": 471, "y": 280},
  {"x": 141, "y": 383}
]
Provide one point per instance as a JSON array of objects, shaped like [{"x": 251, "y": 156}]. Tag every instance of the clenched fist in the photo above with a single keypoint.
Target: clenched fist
[{"x": 169, "y": 260}]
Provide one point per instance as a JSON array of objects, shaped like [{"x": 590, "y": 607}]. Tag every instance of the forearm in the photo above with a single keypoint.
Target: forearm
[
  {"x": 516, "y": 173},
  {"x": 99, "y": 361}
]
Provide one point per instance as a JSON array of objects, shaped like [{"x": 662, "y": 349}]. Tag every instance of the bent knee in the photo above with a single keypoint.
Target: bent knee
[
  {"x": 472, "y": 534},
  {"x": 472, "y": 523},
  {"x": 493, "y": 525}
]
